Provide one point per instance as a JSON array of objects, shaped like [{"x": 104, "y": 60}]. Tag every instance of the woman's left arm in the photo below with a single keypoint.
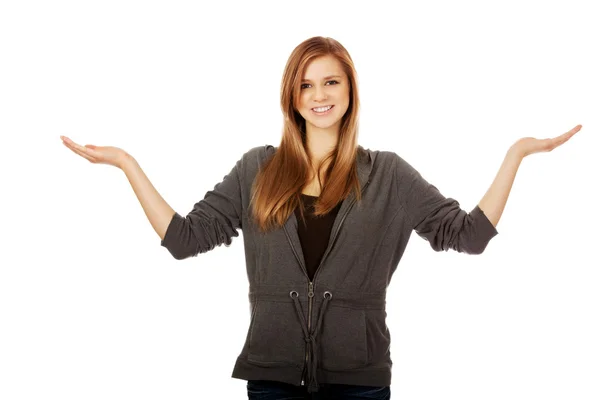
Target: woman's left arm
[{"x": 493, "y": 202}]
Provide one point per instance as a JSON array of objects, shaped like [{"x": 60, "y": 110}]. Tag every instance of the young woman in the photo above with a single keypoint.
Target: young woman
[{"x": 325, "y": 224}]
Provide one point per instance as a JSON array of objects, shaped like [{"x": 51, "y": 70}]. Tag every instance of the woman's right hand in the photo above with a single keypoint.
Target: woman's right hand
[{"x": 98, "y": 154}]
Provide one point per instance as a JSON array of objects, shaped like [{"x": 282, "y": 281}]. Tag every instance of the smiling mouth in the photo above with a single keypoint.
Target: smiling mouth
[{"x": 322, "y": 110}]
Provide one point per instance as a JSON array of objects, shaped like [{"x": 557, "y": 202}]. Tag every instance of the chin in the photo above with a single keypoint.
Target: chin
[
  {"x": 325, "y": 126},
  {"x": 324, "y": 123}
]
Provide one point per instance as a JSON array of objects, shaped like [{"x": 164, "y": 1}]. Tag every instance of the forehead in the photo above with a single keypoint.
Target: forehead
[{"x": 321, "y": 67}]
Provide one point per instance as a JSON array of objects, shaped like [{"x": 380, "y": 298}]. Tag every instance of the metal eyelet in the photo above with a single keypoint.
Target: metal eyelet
[
  {"x": 327, "y": 293},
  {"x": 292, "y": 294}
]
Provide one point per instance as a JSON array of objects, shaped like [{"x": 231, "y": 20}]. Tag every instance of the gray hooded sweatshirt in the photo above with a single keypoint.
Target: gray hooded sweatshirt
[{"x": 333, "y": 329}]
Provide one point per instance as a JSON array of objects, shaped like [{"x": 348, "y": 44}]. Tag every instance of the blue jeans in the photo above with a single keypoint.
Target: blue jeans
[{"x": 271, "y": 390}]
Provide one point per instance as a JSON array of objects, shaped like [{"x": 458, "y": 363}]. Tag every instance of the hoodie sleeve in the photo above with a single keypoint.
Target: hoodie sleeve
[
  {"x": 213, "y": 220},
  {"x": 439, "y": 219}
]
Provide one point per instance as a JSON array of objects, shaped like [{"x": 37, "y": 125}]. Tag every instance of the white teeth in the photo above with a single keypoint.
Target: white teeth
[{"x": 322, "y": 109}]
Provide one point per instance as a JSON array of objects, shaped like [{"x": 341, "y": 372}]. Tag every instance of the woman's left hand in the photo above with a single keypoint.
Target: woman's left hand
[{"x": 528, "y": 145}]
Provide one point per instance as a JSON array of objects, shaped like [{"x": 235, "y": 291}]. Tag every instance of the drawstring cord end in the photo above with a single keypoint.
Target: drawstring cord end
[
  {"x": 313, "y": 387},
  {"x": 311, "y": 338}
]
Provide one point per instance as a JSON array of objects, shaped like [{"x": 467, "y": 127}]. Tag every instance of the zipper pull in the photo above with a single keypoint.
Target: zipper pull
[{"x": 311, "y": 293}]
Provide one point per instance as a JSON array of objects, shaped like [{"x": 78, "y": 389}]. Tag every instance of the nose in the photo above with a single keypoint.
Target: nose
[{"x": 320, "y": 94}]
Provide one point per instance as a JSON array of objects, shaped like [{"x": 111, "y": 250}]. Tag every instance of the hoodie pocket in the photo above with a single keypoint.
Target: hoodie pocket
[
  {"x": 343, "y": 339},
  {"x": 276, "y": 336}
]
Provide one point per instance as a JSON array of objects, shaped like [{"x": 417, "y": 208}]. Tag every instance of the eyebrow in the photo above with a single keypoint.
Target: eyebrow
[{"x": 327, "y": 77}]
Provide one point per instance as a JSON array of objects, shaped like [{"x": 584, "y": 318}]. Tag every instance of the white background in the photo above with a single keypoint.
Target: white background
[{"x": 92, "y": 307}]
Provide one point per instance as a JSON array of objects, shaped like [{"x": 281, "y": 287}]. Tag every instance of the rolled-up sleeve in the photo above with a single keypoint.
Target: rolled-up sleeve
[
  {"x": 213, "y": 221},
  {"x": 439, "y": 219}
]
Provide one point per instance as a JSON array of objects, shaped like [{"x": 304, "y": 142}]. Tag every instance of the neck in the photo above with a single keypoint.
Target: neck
[{"x": 320, "y": 142}]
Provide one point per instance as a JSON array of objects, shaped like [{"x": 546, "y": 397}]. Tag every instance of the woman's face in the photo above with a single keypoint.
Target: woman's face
[{"x": 324, "y": 94}]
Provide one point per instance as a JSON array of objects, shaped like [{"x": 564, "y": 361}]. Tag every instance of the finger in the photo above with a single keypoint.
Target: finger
[
  {"x": 572, "y": 131},
  {"x": 557, "y": 141},
  {"x": 565, "y": 136},
  {"x": 71, "y": 145},
  {"x": 568, "y": 135},
  {"x": 82, "y": 149},
  {"x": 82, "y": 153},
  {"x": 74, "y": 145},
  {"x": 91, "y": 150}
]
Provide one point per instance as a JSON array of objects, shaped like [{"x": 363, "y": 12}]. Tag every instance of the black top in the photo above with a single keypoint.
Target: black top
[{"x": 314, "y": 237}]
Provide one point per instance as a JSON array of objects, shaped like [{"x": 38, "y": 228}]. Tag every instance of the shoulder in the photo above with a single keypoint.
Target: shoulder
[
  {"x": 251, "y": 160},
  {"x": 389, "y": 156},
  {"x": 385, "y": 158},
  {"x": 391, "y": 160},
  {"x": 257, "y": 154}
]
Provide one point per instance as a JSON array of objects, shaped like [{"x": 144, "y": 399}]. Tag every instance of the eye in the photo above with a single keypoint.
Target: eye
[{"x": 303, "y": 85}]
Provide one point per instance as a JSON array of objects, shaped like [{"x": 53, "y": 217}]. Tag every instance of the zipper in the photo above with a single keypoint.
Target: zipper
[
  {"x": 311, "y": 295},
  {"x": 336, "y": 233},
  {"x": 311, "y": 292},
  {"x": 294, "y": 250}
]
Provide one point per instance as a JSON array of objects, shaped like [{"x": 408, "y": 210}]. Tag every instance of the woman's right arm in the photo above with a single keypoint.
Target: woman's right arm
[
  {"x": 213, "y": 221},
  {"x": 157, "y": 210}
]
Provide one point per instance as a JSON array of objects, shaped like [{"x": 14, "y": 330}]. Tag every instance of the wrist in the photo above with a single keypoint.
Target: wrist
[
  {"x": 515, "y": 153},
  {"x": 125, "y": 160}
]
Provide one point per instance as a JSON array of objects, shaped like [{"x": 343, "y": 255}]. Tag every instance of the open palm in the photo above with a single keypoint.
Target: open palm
[
  {"x": 97, "y": 154},
  {"x": 530, "y": 145}
]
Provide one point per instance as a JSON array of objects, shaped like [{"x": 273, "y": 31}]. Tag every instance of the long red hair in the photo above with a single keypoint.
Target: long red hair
[{"x": 280, "y": 180}]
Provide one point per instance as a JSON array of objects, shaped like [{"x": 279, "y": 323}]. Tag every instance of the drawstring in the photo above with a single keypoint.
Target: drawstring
[{"x": 311, "y": 338}]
